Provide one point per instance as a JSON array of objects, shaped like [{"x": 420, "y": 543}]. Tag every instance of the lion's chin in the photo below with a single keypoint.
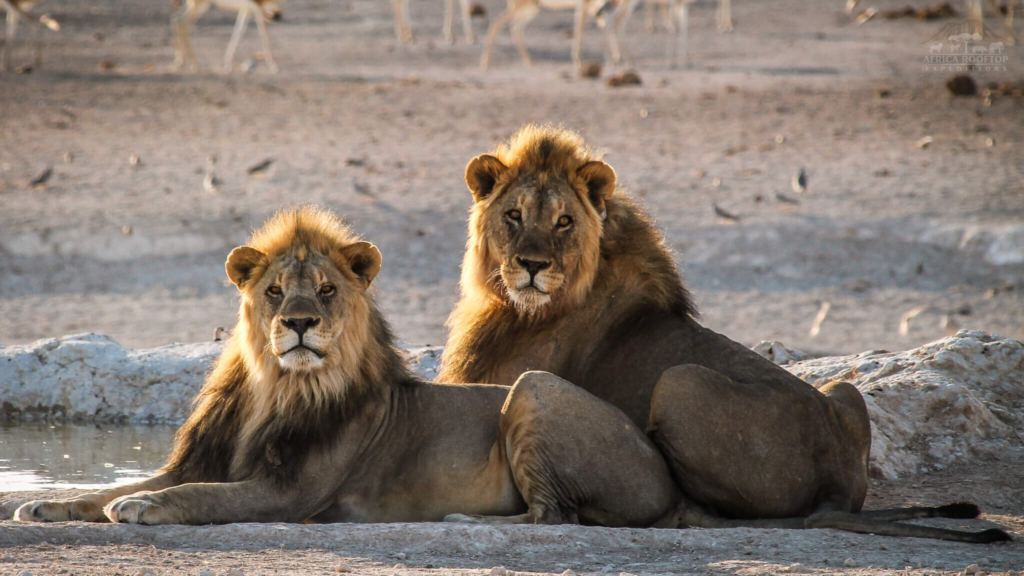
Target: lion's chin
[
  {"x": 300, "y": 360},
  {"x": 529, "y": 298}
]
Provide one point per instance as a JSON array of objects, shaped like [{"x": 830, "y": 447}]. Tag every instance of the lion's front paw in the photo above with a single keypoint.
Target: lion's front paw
[
  {"x": 59, "y": 511},
  {"x": 140, "y": 509}
]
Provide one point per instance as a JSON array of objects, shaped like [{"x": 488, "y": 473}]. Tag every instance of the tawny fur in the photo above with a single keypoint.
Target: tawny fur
[
  {"x": 626, "y": 250},
  {"x": 748, "y": 443},
  {"x": 248, "y": 393},
  {"x": 355, "y": 437}
]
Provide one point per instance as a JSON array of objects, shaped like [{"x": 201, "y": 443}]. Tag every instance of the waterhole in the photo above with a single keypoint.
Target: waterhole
[{"x": 40, "y": 456}]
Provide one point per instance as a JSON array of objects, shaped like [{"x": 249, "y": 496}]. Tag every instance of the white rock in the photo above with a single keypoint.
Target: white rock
[
  {"x": 778, "y": 352},
  {"x": 972, "y": 569},
  {"x": 850, "y": 563},
  {"x": 343, "y": 568},
  {"x": 92, "y": 378},
  {"x": 955, "y": 399},
  {"x": 949, "y": 400}
]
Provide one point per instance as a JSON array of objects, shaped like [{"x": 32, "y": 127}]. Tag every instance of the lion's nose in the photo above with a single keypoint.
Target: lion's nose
[
  {"x": 300, "y": 325},
  {"x": 532, "y": 266}
]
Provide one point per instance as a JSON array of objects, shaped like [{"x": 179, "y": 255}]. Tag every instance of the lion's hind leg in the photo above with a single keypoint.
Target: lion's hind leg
[{"x": 576, "y": 458}]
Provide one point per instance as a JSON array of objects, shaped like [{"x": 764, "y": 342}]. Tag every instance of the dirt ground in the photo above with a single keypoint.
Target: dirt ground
[
  {"x": 381, "y": 132},
  {"x": 447, "y": 549}
]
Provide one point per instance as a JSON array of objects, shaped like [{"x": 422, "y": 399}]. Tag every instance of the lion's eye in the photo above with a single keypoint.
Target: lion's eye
[
  {"x": 514, "y": 214},
  {"x": 327, "y": 290},
  {"x": 564, "y": 222},
  {"x": 274, "y": 291}
]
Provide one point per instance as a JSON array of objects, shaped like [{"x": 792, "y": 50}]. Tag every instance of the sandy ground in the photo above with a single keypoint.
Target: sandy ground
[
  {"x": 444, "y": 549},
  {"x": 381, "y": 132}
]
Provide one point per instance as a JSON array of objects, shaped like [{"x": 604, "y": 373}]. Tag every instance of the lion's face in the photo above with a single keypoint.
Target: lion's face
[
  {"x": 541, "y": 229},
  {"x": 301, "y": 301}
]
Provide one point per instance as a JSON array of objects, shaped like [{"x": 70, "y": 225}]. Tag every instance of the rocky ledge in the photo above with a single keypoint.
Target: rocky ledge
[{"x": 956, "y": 399}]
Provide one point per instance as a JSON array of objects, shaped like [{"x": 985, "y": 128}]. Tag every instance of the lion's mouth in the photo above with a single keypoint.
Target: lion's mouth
[
  {"x": 316, "y": 352},
  {"x": 534, "y": 287}
]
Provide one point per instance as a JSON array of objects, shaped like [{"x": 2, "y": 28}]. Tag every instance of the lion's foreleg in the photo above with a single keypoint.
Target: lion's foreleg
[
  {"x": 221, "y": 503},
  {"x": 87, "y": 507}
]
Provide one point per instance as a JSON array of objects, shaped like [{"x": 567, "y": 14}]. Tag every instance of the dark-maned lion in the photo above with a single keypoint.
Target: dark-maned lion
[
  {"x": 565, "y": 274},
  {"x": 311, "y": 414}
]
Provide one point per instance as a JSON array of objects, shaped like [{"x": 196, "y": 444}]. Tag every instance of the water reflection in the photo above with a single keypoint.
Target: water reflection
[{"x": 38, "y": 456}]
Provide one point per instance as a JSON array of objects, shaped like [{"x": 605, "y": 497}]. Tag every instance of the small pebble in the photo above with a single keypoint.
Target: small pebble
[
  {"x": 499, "y": 571},
  {"x": 234, "y": 572},
  {"x": 627, "y": 78},
  {"x": 25, "y": 573},
  {"x": 343, "y": 568},
  {"x": 398, "y": 566},
  {"x": 206, "y": 573},
  {"x": 962, "y": 85},
  {"x": 972, "y": 569},
  {"x": 568, "y": 572},
  {"x": 590, "y": 70},
  {"x": 145, "y": 572},
  {"x": 400, "y": 555},
  {"x": 850, "y": 563}
]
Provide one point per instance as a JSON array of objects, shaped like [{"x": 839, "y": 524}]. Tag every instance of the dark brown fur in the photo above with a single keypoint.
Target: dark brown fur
[{"x": 745, "y": 439}]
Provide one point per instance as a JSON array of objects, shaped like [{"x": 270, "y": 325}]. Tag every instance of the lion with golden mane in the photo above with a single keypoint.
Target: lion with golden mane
[
  {"x": 564, "y": 273},
  {"x": 312, "y": 415}
]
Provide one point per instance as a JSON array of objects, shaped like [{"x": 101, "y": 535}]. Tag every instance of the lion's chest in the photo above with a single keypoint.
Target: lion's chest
[{"x": 548, "y": 354}]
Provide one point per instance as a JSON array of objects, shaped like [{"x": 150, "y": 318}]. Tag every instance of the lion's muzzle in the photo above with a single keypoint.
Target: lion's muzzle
[
  {"x": 530, "y": 283},
  {"x": 300, "y": 342}
]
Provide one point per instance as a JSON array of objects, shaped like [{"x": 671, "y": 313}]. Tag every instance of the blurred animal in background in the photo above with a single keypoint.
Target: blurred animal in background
[
  {"x": 520, "y": 13},
  {"x": 677, "y": 16},
  {"x": 403, "y": 28},
  {"x": 183, "y": 19},
  {"x": 975, "y": 11},
  {"x": 18, "y": 10}
]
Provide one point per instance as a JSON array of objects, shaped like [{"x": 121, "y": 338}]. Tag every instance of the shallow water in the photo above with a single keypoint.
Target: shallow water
[{"x": 38, "y": 456}]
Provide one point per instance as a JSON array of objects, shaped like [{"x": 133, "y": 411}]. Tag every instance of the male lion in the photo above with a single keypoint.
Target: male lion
[
  {"x": 311, "y": 414},
  {"x": 565, "y": 274}
]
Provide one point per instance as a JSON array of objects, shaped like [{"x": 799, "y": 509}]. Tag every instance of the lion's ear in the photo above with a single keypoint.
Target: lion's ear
[
  {"x": 364, "y": 259},
  {"x": 242, "y": 262},
  {"x": 599, "y": 178},
  {"x": 482, "y": 174}
]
